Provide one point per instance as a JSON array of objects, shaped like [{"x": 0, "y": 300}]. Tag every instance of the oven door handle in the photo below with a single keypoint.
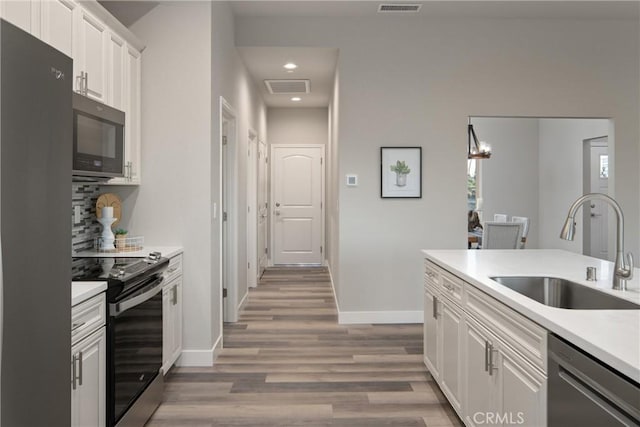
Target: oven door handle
[{"x": 119, "y": 307}]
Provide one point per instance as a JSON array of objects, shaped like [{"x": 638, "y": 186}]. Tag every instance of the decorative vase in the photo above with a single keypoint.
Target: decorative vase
[
  {"x": 401, "y": 179},
  {"x": 107, "y": 235}
]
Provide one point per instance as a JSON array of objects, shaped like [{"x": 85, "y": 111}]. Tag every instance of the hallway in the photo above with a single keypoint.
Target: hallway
[{"x": 287, "y": 362}]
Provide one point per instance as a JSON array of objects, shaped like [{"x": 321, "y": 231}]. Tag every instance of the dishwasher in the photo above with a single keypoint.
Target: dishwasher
[{"x": 583, "y": 392}]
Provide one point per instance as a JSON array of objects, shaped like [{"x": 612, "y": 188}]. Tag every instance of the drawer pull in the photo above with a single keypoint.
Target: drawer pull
[
  {"x": 171, "y": 270},
  {"x": 487, "y": 346},
  {"x": 435, "y": 307},
  {"x": 77, "y": 325},
  {"x": 431, "y": 274}
]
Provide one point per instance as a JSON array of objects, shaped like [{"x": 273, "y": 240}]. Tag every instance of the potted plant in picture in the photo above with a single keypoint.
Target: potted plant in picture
[
  {"x": 121, "y": 238},
  {"x": 402, "y": 170}
]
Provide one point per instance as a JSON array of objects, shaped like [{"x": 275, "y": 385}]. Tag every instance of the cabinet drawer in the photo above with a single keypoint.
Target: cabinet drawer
[
  {"x": 451, "y": 287},
  {"x": 174, "y": 269},
  {"x": 448, "y": 284},
  {"x": 431, "y": 273},
  {"x": 87, "y": 317},
  {"x": 523, "y": 335}
]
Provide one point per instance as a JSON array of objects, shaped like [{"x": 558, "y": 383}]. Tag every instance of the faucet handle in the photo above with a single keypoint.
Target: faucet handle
[{"x": 629, "y": 266}]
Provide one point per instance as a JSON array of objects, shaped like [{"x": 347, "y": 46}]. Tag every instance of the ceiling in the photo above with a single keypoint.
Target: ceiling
[
  {"x": 315, "y": 64},
  {"x": 128, "y": 12},
  {"x": 554, "y": 9},
  {"x": 319, "y": 64}
]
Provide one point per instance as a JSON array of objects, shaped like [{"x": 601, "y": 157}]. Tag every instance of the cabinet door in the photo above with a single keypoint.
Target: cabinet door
[
  {"x": 451, "y": 318},
  {"x": 131, "y": 106},
  {"x": 24, "y": 14},
  {"x": 116, "y": 61},
  {"x": 88, "y": 398},
  {"x": 57, "y": 25},
  {"x": 479, "y": 387},
  {"x": 177, "y": 321},
  {"x": 132, "y": 109},
  {"x": 522, "y": 391},
  {"x": 167, "y": 329},
  {"x": 431, "y": 333},
  {"x": 91, "y": 54}
]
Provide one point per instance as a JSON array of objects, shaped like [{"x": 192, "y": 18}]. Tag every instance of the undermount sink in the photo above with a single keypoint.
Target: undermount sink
[{"x": 563, "y": 293}]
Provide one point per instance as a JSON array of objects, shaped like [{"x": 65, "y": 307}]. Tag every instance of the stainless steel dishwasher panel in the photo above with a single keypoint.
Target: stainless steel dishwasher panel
[{"x": 583, "y": 392}]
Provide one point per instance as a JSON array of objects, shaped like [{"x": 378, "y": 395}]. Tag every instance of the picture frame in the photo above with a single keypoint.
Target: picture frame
[{"x": 401, "y": 172}]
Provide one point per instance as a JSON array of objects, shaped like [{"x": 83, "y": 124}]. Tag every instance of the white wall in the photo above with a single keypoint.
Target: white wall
[
  {"x": 173, "y": 205},
  {"x": 415, "y": 82},
  {"x": 509, "y": 179},
  {"x": 298, "y": 125},
  {"x": 332, "y": 234},
  {"x": 190, "y": 61},
  {"x": 231, "y": 80},
  {"x": 561, "y": 176}
]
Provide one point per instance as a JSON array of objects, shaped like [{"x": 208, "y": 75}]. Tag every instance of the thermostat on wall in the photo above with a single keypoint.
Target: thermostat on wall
[{"x": 352, "y": 180}]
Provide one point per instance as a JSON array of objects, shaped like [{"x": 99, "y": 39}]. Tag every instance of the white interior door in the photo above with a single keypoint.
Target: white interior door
[
  {"x": 297, "y": 176},
  {"x": 262, "y": 209},
  {"x": 599, "y": 210}
]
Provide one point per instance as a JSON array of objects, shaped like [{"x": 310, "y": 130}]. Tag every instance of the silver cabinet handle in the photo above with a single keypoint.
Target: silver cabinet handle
[
  {"x": 175, "y": 294},
  {"x": 77, "y": 325},
  {"x": 86, "y": 83},
  {"x": 486, "y": 355},
  {"x": 431, "y": 274},
  {"x": 73, "y": 372},
  {"x": 435, "y": 307},
  {"x": 76, "y": 373},
  {"x": 80, "y": 83},
  {"x": 80, "y": 368}
]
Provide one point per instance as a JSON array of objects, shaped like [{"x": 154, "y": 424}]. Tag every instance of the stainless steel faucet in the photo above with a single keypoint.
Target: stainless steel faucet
[{"x": 622, "y": 272}]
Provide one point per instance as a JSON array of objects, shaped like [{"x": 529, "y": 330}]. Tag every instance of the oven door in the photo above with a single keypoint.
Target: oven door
[{"x": 135, "y": 346}]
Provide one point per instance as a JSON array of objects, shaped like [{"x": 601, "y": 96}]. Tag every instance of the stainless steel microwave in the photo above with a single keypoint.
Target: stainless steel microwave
[{"x": 98, "y": 139}]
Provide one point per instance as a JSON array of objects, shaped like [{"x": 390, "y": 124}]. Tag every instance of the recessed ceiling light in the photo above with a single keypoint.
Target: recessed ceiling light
[
  {"x": 290, "y": 66},
  {"x": 296, "y": 99}
]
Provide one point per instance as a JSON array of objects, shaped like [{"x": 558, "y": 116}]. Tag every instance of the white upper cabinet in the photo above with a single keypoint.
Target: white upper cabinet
[
  {"x": 116, "y": 59},
  {"x": 90, "y": 59},
  {"x": 57, "y": 27},
  {"x": 24, "y": 14}
]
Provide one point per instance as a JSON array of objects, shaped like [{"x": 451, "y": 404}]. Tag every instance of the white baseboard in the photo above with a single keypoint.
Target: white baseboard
[
  {"x": 200, "y": 358},
  {"x": 333, "y": 288},
  {"x": 388, "y": 317},
  {"x": 384, "y": 317},
  {"x": 243, "y": 301}
]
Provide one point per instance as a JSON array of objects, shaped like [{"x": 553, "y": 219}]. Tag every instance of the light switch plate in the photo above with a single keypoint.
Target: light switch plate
[{"x": 352, "y": 180}]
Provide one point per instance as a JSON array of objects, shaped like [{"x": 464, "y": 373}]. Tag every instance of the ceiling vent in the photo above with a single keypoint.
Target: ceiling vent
[
  {"x": 397, "y": 7},
  {"x": 287, "y": 87}
]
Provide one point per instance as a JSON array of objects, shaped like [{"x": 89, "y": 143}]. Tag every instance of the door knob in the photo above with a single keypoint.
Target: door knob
[
  {"x": 277, "y": 212},
  {"x": 277, "y": 205}
]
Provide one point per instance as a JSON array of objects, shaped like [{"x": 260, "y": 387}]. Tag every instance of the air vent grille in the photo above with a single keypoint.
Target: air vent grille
[
  {"x": 396, "y": 7},
  {"x": 277, "y": 87}
]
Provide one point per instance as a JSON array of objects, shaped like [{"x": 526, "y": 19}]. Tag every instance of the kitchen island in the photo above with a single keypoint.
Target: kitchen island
[
  {"x": 489, "y": 348},
  {"x": 612, "y": 336}
]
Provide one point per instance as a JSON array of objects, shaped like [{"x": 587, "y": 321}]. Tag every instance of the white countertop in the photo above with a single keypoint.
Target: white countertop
[
  {"x": 612, "y": 336},
  {"x": 166, "y": 251},
  {"x": 82, "y": 291}
]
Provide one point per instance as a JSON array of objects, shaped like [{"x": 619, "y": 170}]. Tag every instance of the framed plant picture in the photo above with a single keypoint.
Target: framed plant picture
[{"x": 401, "y": 172}]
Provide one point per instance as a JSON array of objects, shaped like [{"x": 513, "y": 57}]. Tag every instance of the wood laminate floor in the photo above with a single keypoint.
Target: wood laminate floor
[{"x": 288, "y": 362}]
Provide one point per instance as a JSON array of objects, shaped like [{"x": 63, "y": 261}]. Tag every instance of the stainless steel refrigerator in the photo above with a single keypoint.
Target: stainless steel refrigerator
[{"x": 35, "y": 231}]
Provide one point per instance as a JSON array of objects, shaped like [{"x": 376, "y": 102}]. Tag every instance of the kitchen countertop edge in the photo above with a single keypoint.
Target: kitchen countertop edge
[
  {"x": 612, "y": 336},
  {"x": 82, "y": 291},
  {"x": 166, "y": 251}
]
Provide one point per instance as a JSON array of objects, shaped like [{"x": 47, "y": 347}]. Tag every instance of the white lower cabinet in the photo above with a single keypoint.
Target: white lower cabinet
[
  {"x": 450, "y": 372},
  {"x": 487, "y": 381},
  {"x": 172, "y": 314},
  {"x": 88, "y": 363},
  {"x": 431, "y": 339},
  {"x": 88, "y": 387}
]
